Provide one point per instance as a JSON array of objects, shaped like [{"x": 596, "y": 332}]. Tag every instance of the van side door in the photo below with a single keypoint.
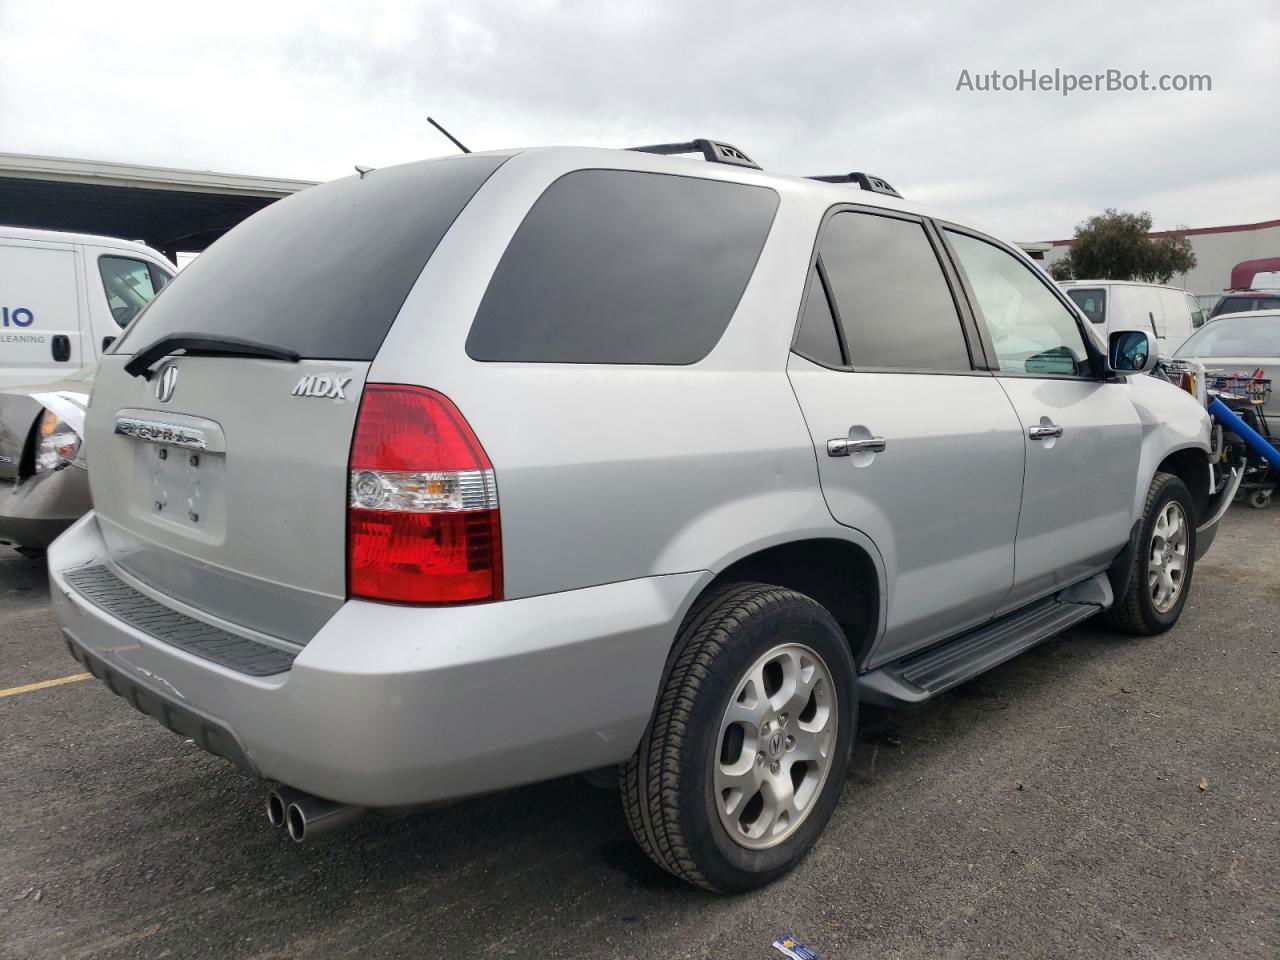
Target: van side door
[
  {"x": 917, "y": 445},
  {"x": 1177, "y": 320},
  {"x": 1142, "y": 309},
  {"x": 39, "y": 312},
  {"x": 1083, "y": 434}
]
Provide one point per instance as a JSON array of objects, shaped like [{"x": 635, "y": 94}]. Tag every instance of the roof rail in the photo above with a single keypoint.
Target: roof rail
[
  {"x": 864, "y": 180},
  {"x": 712, "y": 150}
]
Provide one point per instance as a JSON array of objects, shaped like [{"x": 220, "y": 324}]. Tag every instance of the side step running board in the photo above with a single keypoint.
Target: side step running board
[{"x": 925, "y": 675}]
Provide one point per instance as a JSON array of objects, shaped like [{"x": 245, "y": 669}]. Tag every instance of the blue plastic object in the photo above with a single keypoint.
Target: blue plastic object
[{"x": 1252, "y": 438}]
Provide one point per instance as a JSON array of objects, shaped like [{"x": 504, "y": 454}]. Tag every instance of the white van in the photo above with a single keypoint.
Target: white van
[
  {"x": 65, "y": 297},
  {"x": 1172, "y": 313}
]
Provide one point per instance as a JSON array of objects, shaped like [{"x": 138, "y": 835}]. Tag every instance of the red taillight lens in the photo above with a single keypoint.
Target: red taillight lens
[{"x": 423, "y": 509}]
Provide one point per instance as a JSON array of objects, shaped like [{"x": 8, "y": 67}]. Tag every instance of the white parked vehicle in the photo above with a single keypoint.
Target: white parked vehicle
[
  {"x": 1171, "y": 313},
  {"x": 65, "y": 297}
]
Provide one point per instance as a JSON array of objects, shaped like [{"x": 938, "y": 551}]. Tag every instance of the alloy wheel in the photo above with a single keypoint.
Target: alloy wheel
[
  {"x": 1167, "y": 565},
  {"x": 775, "y": 746}
]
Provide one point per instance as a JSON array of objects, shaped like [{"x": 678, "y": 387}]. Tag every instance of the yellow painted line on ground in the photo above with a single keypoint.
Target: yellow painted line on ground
[{"x": 14, "y": 691}]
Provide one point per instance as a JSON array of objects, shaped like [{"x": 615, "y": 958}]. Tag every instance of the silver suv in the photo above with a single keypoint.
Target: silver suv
[{"x": 467, "y": 473}]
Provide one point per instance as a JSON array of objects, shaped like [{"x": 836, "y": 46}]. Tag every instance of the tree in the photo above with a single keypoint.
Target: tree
[{"x": 1115, "y": 245}]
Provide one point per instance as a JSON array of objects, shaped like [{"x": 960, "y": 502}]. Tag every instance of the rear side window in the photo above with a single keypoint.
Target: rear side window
[
  {"x": 1093, "y": 303},
  {"x": 816, "y": 339},
  {"x": 616, "y": 266},
  {"x": 129, "y": 285},
  {"x": 325, "y": 271},
  {"x": 893, "y": 299}
]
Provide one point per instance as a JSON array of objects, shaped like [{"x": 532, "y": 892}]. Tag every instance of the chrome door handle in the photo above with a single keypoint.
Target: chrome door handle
[
  {"x": 843, "y": 446},
  {"x": 1044, "y": 432}
]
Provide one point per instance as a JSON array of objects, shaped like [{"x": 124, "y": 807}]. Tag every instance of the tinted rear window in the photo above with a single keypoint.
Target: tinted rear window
[
  {"x": 614, "y": 266},
  {"x": 891, "y": 294},
  {"x": 817, "y": 339},
  {"x": 325, "y": 271}
]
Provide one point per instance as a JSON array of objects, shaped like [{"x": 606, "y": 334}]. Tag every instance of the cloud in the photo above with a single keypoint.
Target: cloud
[{"x": 307, "y": 89}]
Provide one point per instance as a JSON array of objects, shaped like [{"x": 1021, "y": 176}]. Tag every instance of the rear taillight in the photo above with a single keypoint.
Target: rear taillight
[
  {"x": 423, "y": 507},
  {"x": 59, "y": 443}
]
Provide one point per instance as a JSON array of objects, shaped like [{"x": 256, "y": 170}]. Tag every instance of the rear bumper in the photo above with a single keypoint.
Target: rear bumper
[
  {"x": 34, "y": 513},
  {"x": 389, "y": 705}
]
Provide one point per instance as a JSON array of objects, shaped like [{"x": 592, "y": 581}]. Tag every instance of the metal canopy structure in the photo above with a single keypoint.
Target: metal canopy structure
[{"x": 169, "y": 209}]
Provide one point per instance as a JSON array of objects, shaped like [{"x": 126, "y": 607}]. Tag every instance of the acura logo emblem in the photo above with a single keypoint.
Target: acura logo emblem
[{"x": 165, "y": 383}]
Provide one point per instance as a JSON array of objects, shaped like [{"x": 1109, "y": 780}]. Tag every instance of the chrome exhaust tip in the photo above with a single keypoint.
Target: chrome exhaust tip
[
  {"x": 278, "y": 800},
  {"x": 307, "y": 816}
]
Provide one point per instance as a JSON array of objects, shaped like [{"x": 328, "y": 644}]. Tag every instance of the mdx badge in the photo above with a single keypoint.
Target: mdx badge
[
  {"x": 329, "y": 388},
  {"x": 166, "y": 382}
]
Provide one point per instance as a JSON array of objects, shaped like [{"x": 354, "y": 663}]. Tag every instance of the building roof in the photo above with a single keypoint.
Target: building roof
[
  {"x": 168, "y": 208},
  {"x": 110, "y": 173}
]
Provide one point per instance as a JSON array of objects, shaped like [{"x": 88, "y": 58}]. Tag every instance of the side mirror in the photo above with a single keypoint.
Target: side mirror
[{"x": 1131, "y": 352}]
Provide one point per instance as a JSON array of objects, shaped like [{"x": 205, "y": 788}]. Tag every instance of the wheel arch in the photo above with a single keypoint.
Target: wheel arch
[
  {"x": 1191, "y": 466},
  {"x": 843, "y": 573}
]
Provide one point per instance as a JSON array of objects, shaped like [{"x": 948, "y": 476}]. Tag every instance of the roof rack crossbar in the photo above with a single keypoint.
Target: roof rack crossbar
[
  {"x": 864, "y": 180},
  {"x": 713, "y": 151}
]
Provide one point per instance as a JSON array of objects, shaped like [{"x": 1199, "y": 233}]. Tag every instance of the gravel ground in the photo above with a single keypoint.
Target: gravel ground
[{"x": 1097, "y": 797}]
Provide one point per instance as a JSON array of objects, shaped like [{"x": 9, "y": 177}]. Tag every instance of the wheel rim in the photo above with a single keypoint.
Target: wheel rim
[
  {"x": 776, "y": 743},
  {"x": 1167, "y": 566}
]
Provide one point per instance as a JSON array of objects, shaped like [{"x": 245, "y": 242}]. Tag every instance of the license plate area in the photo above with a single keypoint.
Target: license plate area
[{"x": 182, "y": 488}]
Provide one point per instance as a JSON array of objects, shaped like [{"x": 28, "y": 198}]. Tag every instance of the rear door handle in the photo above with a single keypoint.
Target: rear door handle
[
  {"x": 843, "y": 446},
  {"x": 1044, "y": 432}
]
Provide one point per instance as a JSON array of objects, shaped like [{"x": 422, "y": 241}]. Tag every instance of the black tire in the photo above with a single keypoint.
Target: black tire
[
  {"x": 667, "y": 786},
  {"x": 1136, "y": 612}
]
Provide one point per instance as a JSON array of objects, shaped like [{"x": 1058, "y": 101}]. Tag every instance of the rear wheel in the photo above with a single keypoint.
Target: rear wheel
[
  {"x": 1160, "y": 578},
  {"x": 744, "y": 759}
]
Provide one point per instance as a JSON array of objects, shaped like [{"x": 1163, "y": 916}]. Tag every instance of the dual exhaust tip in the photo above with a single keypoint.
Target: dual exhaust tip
[{"x": 305, "y": 816}]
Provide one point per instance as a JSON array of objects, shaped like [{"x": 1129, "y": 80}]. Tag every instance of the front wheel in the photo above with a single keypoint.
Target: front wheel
[
  {"x": 1160, "y": 578},
  {"x": 747, "y": 751}
]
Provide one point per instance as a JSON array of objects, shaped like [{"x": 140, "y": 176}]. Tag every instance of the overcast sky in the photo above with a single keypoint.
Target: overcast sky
[{"x": 306, "y": 89}]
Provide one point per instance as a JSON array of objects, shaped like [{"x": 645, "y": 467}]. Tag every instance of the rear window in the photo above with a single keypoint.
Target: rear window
[
  {"x": 1092, "y": 302},
  {"x": 1245, "y": 304},
  {"x": 324, "y": 271},
  {"x": 615, "y": 266},
  {"x": 1235, "y": 337}
]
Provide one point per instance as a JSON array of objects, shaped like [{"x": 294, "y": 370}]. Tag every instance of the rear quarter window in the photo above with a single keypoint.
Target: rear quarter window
[{"x": 616, "y": 266}]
